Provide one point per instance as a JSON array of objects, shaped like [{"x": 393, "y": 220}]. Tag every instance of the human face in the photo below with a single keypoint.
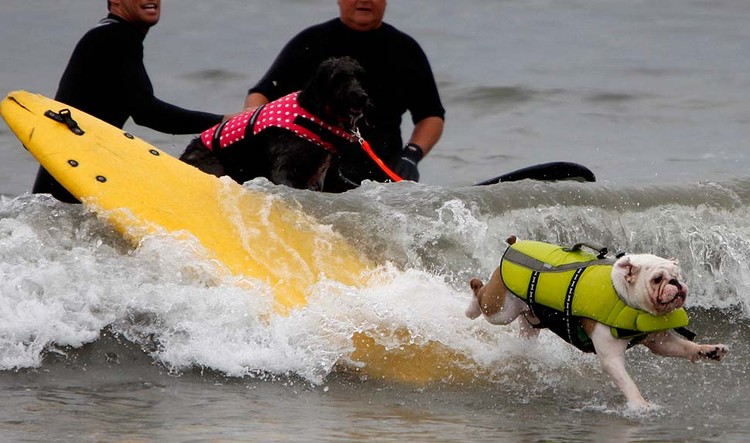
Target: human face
[
  {"x": 362, "y": 15},
  {"x": 142, "y": 13}
]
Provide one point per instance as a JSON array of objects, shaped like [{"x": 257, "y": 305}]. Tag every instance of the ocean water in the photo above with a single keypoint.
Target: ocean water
[{"x": 103, "y": 340}]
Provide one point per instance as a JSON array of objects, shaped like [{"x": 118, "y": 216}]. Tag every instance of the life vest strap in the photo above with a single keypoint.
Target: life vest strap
[
  {"x": 521, "y": 259},
  {"x": 216, "y": 139},
  {"x": 531, "y": 292},
  {"x": 568, "y": 306},
  {"x": 250, "y": 128},
  {"x": 327, "y": 137},
  {"x": 567, "y": 314},
  {"x": 215, "y": 142}
]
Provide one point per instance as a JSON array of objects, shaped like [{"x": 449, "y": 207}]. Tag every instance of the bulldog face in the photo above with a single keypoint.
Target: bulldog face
[{"x": 649, "y": 283}]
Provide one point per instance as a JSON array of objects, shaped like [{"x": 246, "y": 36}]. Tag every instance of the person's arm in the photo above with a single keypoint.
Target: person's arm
[
  {"x": 255, "y": 99},
  {"x": 427, "y": 133},
  {"x": 165, "y": 117}
]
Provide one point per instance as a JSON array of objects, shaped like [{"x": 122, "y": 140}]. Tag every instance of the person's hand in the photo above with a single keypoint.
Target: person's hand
[
  {"x": 231, "y": 116},
  {"x": 406, "y": 166}
]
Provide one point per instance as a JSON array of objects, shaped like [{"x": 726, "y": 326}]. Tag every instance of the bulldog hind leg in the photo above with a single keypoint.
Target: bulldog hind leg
[{"x": 493, "y": 301}]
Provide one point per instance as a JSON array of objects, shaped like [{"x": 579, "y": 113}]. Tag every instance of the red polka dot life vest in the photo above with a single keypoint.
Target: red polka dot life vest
[{"x": 285, "y": 113}]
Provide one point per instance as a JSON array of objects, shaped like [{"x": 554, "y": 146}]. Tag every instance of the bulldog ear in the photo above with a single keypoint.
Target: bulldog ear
[
  {"x": 627, "y": 269},
  {"x": 674, "y": 260}
]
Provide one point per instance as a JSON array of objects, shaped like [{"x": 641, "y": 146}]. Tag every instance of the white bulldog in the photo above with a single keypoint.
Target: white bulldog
[{"x": 650, "y": 285}]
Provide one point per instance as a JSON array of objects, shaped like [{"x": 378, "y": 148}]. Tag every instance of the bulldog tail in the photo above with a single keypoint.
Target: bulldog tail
[{"x": 474, "y": 310}]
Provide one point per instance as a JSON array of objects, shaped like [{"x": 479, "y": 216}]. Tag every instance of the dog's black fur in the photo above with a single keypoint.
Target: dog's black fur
[{"x": 334, "y": 94}]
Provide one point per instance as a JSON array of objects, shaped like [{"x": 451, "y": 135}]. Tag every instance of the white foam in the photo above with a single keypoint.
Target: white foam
[{"x": 64, "y": 276}]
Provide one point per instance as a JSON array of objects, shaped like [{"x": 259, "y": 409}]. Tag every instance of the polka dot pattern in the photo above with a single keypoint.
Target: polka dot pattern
[
  {"x": 232, "y": 131},
  {"x": 279, "y": 113}
]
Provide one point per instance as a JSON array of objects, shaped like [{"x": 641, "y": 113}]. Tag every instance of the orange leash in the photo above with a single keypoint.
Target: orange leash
[{"x": 366, "y": 147}]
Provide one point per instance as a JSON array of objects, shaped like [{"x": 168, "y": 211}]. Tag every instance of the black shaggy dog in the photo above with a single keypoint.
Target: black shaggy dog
[{"x": 291, "y": 140}]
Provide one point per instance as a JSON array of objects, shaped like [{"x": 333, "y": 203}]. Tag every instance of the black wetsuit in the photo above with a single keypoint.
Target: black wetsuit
[
  {"x": 398, "y": 78},
  {"x": 106, "y": 78}
]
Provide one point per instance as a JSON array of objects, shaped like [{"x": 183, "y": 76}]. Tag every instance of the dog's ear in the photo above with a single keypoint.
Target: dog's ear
[{"x": 627, "y": 269}]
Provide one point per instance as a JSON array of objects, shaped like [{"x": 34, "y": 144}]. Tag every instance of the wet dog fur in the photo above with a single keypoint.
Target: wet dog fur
[{"x": 334, "y": 94}]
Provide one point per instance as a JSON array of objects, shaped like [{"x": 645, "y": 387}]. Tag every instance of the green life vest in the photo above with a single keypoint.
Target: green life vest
[{"x": 577, "y": 284}]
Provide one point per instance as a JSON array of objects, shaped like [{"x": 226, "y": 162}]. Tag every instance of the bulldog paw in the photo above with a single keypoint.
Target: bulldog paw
[
  {"x": 639, "y": 406},
  {"x": 713, "y": 352}
]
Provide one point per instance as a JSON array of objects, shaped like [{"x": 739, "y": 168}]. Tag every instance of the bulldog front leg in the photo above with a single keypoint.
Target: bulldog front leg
[
  {"x": 668, "y": 344},
  {"x": 611, "y": 354}
]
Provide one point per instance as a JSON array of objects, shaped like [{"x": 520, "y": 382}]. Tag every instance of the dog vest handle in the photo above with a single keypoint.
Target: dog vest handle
[{"x": 601, "y": 251}]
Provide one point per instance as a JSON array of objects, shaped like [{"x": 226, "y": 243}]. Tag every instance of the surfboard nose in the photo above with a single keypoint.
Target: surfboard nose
[{"x": 12, "y": 109}]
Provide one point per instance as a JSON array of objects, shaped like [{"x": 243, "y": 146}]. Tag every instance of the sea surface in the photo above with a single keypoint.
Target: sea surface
[{"x": 104, "y": 340}]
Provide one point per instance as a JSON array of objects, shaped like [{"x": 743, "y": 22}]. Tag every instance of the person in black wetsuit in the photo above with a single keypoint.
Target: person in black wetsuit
[
  {"x": 398, "y": 77},
  {"x": 106, "y": 78}
]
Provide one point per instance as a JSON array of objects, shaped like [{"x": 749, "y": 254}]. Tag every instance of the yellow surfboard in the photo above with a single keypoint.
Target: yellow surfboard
[{"x": 142, "y": 190}]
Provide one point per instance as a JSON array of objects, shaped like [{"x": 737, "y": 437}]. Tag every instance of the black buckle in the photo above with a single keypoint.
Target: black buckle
[{"x": 65, "y": 117}]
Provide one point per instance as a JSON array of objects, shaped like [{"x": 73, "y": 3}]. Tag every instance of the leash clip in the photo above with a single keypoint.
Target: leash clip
[
  {"x": 65, "y": 117},
  {"x": 368, "y": 150},
  {"x": 357, "y": 135}
]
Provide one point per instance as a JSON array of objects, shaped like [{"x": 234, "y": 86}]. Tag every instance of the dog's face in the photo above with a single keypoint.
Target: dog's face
[
  {"x": 336, "y": 92},
  {"x": 649, "y": 283}
]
